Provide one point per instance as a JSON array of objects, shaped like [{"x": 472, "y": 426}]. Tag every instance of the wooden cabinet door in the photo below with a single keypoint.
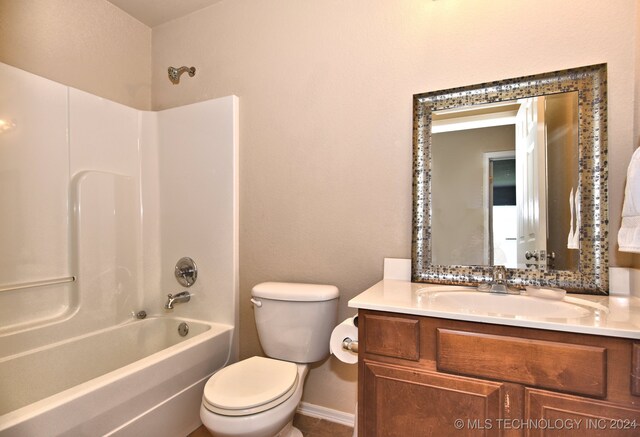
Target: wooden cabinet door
[
  {"x": 405, "y": 402},
  {"x": 548, "y": 413}
]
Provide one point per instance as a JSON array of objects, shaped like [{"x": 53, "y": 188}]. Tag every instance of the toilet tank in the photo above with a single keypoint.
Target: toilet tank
[{"x": 295, "y": 321}]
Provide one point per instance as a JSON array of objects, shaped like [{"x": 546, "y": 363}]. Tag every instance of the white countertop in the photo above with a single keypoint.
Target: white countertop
[{"x": 611, "y": 316}]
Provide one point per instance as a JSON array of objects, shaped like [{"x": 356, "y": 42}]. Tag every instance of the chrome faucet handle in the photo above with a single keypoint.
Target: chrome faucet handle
[{"x": 186, "y": 271}]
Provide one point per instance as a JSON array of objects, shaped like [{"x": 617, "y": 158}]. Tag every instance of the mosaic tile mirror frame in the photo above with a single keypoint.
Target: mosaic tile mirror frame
[{"x": 591, "y": 272}]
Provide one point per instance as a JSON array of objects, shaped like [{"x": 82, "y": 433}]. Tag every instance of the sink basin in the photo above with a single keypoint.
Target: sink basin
[{"x": 475, "y": 302}]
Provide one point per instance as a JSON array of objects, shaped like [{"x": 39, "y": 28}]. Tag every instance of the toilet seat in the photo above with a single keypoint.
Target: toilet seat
[{"x": 250, "y": 386}]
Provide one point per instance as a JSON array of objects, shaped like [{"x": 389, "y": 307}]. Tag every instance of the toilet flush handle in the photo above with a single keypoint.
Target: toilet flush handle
[{"x": 256, "y": 302}]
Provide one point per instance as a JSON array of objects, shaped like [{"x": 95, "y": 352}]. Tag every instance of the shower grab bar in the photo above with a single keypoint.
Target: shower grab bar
[{"x": 42, "y": 283}]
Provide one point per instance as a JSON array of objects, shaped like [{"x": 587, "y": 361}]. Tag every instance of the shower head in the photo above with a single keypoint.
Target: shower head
[{"x": 175, "y": 73}]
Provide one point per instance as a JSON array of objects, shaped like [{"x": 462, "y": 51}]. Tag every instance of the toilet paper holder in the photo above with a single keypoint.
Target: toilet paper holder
[{"x": 350, "y": 345}]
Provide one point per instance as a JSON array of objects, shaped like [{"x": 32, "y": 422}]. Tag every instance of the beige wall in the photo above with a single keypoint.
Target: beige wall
[
  {"x": 325, "y": 109},
  {"x": 325, "y": 93},
  {"x": 87, "y": 44}
]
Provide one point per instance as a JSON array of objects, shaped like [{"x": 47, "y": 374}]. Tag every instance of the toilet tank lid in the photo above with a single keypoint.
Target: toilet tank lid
[{"x": 295, "y": 292}]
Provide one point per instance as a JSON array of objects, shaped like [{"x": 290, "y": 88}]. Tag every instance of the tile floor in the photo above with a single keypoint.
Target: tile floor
[{"x": 310, "y": 427}]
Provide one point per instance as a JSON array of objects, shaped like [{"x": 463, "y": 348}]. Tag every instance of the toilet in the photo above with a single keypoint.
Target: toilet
[{"x": 258, "y": 396}]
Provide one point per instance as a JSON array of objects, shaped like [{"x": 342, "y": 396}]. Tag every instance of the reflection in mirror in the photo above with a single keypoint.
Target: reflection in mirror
[
  {"x": 504, "y": 182},
  {"x": 513, "y": 173}
]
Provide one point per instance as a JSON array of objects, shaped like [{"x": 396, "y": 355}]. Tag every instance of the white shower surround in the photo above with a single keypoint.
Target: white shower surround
[{"x": 157, "y": 186}]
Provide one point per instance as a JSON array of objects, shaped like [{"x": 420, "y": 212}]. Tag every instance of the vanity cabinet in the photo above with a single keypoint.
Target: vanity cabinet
[{"x": 424, "y": 376}]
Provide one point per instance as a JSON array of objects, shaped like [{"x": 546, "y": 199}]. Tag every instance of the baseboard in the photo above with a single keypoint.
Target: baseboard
[{"x": 326, "y": 413}]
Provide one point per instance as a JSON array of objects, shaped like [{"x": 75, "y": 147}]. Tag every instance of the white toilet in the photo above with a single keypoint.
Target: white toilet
[{"x": 258, "y": 397}]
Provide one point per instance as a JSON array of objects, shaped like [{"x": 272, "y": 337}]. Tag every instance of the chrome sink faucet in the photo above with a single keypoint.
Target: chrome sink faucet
[
  {"x": 499, "y": 283},
  {"x": 184, "y": 296},
  {"x": 499, "y": 279}
]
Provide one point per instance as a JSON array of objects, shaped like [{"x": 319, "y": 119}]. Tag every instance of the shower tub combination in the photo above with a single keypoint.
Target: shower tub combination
[
  {"x": 138, "y": 378},
  {"x": 81, "y": 259}
]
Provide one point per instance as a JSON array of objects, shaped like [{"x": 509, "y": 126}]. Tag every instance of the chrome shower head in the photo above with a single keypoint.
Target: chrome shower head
[{"x": 175, "y": 73}]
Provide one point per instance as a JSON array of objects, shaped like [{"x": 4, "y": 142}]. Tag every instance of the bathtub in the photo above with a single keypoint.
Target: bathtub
[{"x": 138, "y": 378}]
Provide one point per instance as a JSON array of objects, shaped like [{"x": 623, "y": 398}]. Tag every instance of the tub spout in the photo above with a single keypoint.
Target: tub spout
[{"x": 184, "y": 296}]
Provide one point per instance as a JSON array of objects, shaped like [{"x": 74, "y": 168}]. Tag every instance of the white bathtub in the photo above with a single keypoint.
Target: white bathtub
[{"x": 139, "y": 378}]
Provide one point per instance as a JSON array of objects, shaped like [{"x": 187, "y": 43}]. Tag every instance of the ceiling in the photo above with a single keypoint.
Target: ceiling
[{"x": 156, "y": 12}]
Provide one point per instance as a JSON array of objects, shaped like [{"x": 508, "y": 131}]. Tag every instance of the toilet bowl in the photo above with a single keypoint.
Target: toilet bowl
[
  {"x": 258, "y": 396},
  {"x": 259, "y": 417}
]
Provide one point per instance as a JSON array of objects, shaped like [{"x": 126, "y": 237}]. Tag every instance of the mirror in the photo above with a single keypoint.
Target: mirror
[
  {"x": 513, "y": 173},
  {"x": 512, "y": 168}
]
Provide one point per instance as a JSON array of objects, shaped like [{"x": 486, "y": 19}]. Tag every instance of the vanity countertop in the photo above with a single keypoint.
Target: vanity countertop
[{"x": 612, "y": 316}]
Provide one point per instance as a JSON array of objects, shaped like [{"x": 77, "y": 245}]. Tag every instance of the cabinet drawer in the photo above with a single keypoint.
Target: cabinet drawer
[
  {"x": 397, "y": 337},
  {"x": 559, "y": 366}
]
